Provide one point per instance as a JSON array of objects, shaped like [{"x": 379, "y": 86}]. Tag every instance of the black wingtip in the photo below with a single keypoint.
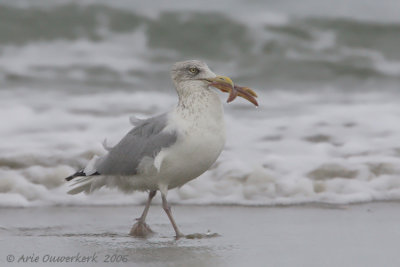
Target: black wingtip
[{"x": 79, "y": 174}]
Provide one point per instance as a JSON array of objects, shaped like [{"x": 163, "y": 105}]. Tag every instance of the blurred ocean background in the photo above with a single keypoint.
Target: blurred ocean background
[{"x": 327, "y": 72}]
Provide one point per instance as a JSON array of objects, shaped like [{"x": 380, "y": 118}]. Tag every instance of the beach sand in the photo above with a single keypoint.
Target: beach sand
[{"x": 306, "y": 235}]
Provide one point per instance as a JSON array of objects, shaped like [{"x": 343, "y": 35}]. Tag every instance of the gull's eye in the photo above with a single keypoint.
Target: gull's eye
[{"x": 194, "y": 70}]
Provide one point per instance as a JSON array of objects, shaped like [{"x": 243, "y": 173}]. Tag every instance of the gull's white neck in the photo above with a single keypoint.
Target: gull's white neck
[
  {"x": 200, "y": 107},
  {"x": 198, "y": 100}
]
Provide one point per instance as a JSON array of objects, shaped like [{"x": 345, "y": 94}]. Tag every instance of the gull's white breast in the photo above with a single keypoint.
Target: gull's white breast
[{"x": 200, "y": 141}]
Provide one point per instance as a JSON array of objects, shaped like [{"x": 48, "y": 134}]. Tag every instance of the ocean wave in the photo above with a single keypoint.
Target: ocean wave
[
  {"x": 68, "y": 21},
  {"x": 101, "y": 44},
  {"x": 299, "y": 148}
]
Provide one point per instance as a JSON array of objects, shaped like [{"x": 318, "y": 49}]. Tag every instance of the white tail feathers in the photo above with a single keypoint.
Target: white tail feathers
[
  {"x": 83, "y": 184},
  {"x": 87, "y": 183}
]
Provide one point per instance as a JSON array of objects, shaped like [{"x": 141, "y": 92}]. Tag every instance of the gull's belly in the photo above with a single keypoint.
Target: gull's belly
[{"x": 190, "y": 158}]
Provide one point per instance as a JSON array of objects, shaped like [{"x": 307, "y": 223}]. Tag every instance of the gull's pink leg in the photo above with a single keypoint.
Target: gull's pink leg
[
  {"x": 141, "y": 229},
  {"x": 167, "y": 210}
]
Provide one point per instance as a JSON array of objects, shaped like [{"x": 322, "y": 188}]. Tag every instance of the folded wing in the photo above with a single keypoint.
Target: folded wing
[{"x": 145, "y": 140}]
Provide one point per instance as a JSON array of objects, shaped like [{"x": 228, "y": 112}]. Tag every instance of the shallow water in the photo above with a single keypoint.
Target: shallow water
[{"x": 361, "y": 235}]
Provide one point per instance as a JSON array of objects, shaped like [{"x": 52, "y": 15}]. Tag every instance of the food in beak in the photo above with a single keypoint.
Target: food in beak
[{"x": 236, "y": 90}]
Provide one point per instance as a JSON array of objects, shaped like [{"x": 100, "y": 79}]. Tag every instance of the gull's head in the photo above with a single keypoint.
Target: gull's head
[{"x": 195, "y": 74}]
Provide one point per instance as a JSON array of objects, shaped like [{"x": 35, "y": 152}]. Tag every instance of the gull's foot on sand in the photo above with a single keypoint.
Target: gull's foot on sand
[
  {"x": 180, "y": 235},
  {"x": 140, "y": 229}
]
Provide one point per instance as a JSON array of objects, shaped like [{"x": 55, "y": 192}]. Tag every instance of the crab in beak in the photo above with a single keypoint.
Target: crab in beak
[{"x": 225, "y": 84}]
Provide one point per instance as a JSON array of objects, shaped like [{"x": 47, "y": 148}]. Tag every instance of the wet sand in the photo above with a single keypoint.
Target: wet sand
[{"x": 310, "y": 235}]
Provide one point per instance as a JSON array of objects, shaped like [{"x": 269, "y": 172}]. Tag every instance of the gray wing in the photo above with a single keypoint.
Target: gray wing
[{"x": 146, "y": 139}]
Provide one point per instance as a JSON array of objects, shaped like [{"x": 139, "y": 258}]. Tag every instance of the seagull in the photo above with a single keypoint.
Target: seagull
[{"x": 168, "y": 150}]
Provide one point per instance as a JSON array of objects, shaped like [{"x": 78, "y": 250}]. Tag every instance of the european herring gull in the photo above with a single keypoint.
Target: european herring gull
[{"x": 168, "y": 150}]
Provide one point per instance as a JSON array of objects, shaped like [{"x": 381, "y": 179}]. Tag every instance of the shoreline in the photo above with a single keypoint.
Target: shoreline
[
  {"x": 316, "y": 204},
  {"x": 302, "y": 235}
]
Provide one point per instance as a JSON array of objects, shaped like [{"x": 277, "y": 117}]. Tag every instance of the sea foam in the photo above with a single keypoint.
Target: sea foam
[{"x": 293, "y": 149}]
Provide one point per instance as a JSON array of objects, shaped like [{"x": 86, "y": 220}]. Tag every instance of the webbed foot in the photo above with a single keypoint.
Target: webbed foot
[{"x": 141, "y": 229}]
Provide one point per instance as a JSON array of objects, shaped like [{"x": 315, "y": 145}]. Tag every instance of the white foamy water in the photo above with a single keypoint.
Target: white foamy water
[{"x": 295, "y": 148}]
